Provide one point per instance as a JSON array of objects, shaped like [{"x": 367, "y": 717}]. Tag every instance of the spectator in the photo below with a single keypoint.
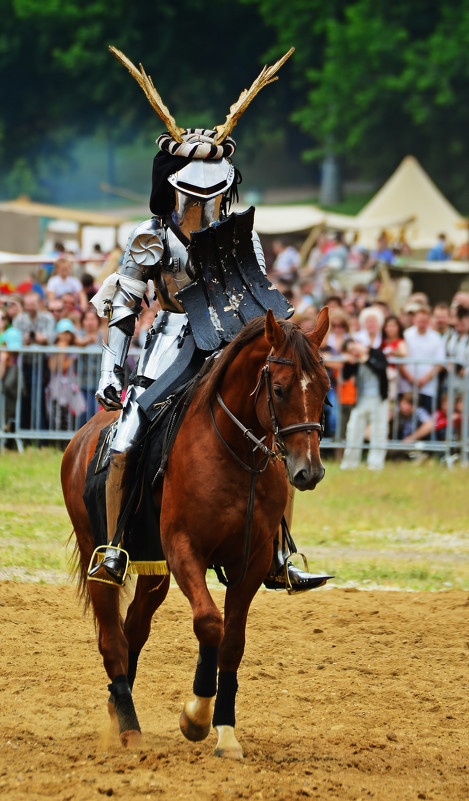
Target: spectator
[
  {"x": 333, "y": 345},
  {"x": 382, "y": 252},
  {"x": 441, "y": 322},
  {"x": 89, "y": 286},
  {"x": 438, "y": 422},
  {"x": 410, "y": 419},
  {"x": 457, "y": 346},
  {"x": 286, "y": 262},
  {"x": 63, "y": 281},
  {"x": 89, "y": 337},
  {"x": 36, "y": 325},
  {"x": 63, "y": 396},
  {"x": 393, "y": 344},
  {"x": 56, "y": 307},
  {"x": 368, "y": 363},
  {"x": 72, "y": 311},
  {"x": 9, "y": 374},
  {"x": 4, "y": 324},
  {"x": 14, "y": 306},
  {"x": 336, "y": 254},
  {"x": 37, "y": 328},
  {"x": 422, "y": 343},
  {"x": 306, "y": 296},
  {"x": 369, "y": 366},
  {"x": 440, "y": 251}
]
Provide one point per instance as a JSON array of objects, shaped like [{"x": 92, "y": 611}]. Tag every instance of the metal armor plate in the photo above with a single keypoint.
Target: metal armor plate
[{"x": 230, "y": 288}]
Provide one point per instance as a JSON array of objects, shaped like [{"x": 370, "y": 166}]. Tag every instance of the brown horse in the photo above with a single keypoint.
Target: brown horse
[{"x": 268, "y": 385}]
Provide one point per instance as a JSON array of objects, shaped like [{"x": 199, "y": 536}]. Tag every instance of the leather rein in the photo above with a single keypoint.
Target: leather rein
[{"x": 257, "y": 444}]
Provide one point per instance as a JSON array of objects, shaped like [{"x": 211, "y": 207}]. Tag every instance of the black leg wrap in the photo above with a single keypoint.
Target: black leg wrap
[
  {"x": 132, "y": 669},
  {"x": 205, "y": 680},
  {"x": 224, "y": 712},
  {"x": 121, "y": 696}
]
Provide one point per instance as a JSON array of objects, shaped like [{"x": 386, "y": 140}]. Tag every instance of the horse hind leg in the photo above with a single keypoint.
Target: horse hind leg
[
  {"x": 149, "y": 595},
  {"x": 114, "y": 650}
]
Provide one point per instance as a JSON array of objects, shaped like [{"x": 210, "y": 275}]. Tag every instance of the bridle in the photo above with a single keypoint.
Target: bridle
[
  {"x": 278, "y": 433},
  {"x": 256, "y": 444}
]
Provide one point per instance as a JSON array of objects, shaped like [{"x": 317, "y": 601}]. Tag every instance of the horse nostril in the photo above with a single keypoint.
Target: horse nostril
[
  {"x": 308, "y": 478},
  {"x": 302, "y": 477}
]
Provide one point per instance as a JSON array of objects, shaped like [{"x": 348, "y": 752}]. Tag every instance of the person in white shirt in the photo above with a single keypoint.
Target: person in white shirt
[
  {"x": 62, "y": 281},
  {"x": 423, "y": 343}
]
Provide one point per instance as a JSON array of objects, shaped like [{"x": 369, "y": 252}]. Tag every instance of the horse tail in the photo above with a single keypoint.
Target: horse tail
[{"x": 79, "y": 572}]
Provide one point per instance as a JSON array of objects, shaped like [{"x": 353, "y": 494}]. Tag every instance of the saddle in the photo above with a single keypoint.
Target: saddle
[{"x": 140, "y": 518}]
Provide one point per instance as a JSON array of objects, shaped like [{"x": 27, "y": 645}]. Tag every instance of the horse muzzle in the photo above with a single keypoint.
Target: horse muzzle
[{"x": 304, "y": 476}]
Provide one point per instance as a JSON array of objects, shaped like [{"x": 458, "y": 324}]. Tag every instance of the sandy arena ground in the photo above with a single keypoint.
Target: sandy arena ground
[{"x": 344, "y": 695}]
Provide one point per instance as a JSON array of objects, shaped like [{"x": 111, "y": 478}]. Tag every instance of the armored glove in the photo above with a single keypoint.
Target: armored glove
[
  {"x": 109, "y": 392},
  {"x": 111, "y": 382}
]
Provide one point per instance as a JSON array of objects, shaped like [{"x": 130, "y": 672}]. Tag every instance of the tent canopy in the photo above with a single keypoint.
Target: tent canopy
[
  {"x": 411, "y": 192},
  {"x": 82, "y": 217},
  {"x": 278, "y": 220}
]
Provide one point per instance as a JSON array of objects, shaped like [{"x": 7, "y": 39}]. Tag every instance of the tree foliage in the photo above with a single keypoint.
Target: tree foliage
[
  {"x": 370, "y": 81},
  {"x": 378, "y": 80}
]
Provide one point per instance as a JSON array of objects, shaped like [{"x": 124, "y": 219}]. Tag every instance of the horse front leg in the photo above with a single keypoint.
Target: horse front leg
[
  {"x": 113, "y": 647},
  {"x": 237, "y": 603},
  {"x": 189, "y": 570}
]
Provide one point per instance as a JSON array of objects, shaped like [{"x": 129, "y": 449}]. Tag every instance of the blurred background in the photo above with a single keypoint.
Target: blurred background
[{"x": 370, "y": 82}]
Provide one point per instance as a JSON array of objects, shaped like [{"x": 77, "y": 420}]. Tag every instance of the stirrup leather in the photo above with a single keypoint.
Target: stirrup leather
[{"x": 99, "y": 571}]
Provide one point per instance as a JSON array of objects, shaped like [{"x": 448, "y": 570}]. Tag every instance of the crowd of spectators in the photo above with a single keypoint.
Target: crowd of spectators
[
  {"x": 373, "y": 398},
  {"x": 376, "y": 398}
]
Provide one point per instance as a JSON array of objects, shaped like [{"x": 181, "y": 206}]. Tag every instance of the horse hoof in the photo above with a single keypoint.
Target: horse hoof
[
  {"x": 131, "y": 738},
  {"x": 192, "y": 731},
  {"x": 229, "y": 753}
]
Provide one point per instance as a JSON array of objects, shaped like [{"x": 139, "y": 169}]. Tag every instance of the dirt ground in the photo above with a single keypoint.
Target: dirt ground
[{"x": 344, "y": 694}]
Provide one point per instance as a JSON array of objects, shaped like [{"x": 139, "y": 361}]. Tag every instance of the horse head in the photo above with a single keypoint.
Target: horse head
[{"x": 295, "y": 387}]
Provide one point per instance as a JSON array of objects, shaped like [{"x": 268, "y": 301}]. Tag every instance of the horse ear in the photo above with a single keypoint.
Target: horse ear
[
  {"x": 273, "y": 333},
  {"x": 322, "y": 326}
]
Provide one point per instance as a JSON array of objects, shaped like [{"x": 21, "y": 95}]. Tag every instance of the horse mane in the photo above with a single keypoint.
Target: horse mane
[{"x": 305, "y": 359}]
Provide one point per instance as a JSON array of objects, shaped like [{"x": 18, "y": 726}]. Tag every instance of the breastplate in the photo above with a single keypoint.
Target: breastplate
[{"x": 173, "y": 274}]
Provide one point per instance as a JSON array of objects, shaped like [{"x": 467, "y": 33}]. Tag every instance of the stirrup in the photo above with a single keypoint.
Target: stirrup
[
  {"x": 109, "y": 568},
  {"x": 293, "y": 579}
]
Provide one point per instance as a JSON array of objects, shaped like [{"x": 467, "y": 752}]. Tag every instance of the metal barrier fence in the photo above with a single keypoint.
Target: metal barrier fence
[{"x": 47, "y": 394}]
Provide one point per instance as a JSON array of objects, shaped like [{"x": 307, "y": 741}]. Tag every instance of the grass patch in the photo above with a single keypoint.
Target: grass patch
[{"x": 404, "y": 527}]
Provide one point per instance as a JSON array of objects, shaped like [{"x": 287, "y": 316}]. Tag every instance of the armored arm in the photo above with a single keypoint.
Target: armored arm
[{"x": 119, "y": 299}]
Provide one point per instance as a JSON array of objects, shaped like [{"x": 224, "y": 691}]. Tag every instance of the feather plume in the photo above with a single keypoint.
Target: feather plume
[
  {"x": 247, "y": 95},
  {"x": 152, "y": 95}
]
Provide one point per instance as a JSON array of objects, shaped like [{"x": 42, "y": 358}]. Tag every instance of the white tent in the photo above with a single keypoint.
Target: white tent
[
  {"x": 410, "y": 192},
  {"x": 277, "y": 220}
]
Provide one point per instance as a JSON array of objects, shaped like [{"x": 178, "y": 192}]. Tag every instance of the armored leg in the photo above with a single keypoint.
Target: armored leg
[
  {"x": 283, "y": 575},
  {"x": 132, "y": 425}
]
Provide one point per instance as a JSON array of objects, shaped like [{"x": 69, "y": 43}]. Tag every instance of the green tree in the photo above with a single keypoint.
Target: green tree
[
  {"x": 59, "y": 79},
  {"x": 377, "y": 80}
]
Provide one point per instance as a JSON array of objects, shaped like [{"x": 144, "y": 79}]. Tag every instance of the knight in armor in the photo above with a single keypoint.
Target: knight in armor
[{"x": 208, "y": 270}]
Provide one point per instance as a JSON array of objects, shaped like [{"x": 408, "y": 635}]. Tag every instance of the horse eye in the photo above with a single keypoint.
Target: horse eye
[{"x": 278, "y": 391}]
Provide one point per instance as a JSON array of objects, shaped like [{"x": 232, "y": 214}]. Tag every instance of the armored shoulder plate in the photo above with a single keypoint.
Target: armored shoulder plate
[{"x": 144, "y": 251}]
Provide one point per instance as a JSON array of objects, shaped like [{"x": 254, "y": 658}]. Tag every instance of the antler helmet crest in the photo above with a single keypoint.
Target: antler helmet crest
[{"x": 200, "y": 142}]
